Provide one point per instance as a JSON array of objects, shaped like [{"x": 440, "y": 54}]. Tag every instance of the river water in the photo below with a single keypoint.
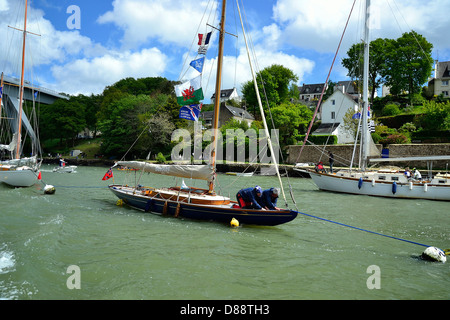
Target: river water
[{"x": 122, "y": 253}]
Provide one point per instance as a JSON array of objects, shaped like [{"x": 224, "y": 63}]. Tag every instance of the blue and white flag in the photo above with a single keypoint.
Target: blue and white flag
[
  {"x": 1, "y": 92},
  {"x": 198, "y": 64},
  {"x": 191, "y": 112}
]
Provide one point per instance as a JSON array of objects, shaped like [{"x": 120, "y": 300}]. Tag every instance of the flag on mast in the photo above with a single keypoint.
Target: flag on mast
[
  {"x": 198, "y": 64},
  {"x": 189, "y": 92},
  {"x": 204, "y": 40},
  {"x": 108, "y": 174},
  {"x": 191, "y": 112}
]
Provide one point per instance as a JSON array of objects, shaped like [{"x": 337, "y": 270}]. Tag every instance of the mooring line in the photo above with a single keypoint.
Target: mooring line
[
  {"x": 81, "y": 187},
  {"x": 361, "y": 229}
]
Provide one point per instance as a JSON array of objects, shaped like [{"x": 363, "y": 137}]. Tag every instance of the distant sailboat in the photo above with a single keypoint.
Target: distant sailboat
[
  {"x": 18, "y": 171},
  {"x": 190, "y": 202},
  {"x": 383, "y": 183}
]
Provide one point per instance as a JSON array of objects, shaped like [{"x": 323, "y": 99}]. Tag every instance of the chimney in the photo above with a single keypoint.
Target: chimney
[{"x": 436, "y": 68}]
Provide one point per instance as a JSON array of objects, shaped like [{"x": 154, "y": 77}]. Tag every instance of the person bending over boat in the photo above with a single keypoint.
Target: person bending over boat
[
  {"x": 269, "y": 199},
  {"x": 250, "y": 198}
]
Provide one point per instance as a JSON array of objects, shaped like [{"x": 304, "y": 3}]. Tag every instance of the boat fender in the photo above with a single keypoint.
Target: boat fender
[
  {"x": 234, "y": 222},
  {"x": 410, "y": 185},
  {"x": 373, "y": 182},
  {"x": 425, "y": 187},
  {"x": 394, "y": 187},
  {"x": 360, "y": 182},
  {"x": 49, "y": 189},
  {"x": 177, "y": 210},
  {"x": 148, "y": 205},
  {"x": 165, "y": 208},
  {"x": 434, "y": 254},
  {"x": 119, "y": 202}
]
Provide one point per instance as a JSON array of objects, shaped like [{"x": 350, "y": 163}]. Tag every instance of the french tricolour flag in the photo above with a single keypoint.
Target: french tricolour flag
[{"x": 204, "y": 40}]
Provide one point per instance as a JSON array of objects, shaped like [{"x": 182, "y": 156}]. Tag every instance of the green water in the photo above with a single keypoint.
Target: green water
[{"x": 123, "y": 253}]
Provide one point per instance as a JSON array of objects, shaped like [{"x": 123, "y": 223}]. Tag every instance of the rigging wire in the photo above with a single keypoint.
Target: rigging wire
[
  {"x": 328, "y": 77},
  {"x": 183, "y": 71}
]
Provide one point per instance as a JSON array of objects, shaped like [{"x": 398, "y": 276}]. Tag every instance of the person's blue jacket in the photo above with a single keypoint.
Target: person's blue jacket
[
  {"x": 249, "y": 195},
  {"x": 267, "y": 199}
]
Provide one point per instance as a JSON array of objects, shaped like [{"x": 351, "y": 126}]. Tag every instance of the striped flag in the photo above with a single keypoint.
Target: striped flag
[{"x": 204, "y": 40}]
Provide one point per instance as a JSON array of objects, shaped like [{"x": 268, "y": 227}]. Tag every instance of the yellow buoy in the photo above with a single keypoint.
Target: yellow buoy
[
  {"x": 234, "y": 222},
  {"x": 119, "y": 202}
]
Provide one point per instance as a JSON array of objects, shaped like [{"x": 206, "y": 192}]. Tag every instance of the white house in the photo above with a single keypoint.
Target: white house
[
  {"x": 227, "y": 94},
  {"x": 440, "y": 84},
  {"x": 333, "y": 111}
]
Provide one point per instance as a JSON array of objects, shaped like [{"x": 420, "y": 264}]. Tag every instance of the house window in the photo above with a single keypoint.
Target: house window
[
  {"x": 445, "y": 83},
  {"x": 333, "y": 115},
  {"x": 333, "y": 102},
  {"x": 445, "y": 93}
]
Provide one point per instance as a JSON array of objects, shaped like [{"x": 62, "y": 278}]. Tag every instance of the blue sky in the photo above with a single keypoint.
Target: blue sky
[{"x": 142, "y": 38}]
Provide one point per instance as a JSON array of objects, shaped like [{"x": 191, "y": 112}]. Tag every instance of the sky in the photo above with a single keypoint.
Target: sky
[{"x": 84, "y": 46}]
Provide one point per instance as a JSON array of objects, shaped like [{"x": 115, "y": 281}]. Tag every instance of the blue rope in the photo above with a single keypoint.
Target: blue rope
[
  {"x": 380, "y": 234},
  {"x": 81, "y": 187}
]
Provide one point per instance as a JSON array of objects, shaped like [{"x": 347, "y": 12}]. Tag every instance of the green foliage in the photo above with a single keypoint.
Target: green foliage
[
  {"x": 408, "y": 63},
  {"x": 391, "y": 110},
  {"x": 276, "y": 79},
  {"x": 290, "y": 119},
  {"x": 128, "y": 118},
  {"x": 62, "y": 120},
  {"x": 160, "y": 158},
  {"x": 407, "y": 127},
  {"x": 397, "y": 138},
  {"x": 354, "y": 63},
  {"x": 376, "y": 137},
  {"x": 403, "y": 64},
  {"x": 437, "y": 116}
]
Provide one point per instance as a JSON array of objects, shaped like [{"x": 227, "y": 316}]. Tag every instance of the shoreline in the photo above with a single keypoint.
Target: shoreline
[
  {"x": 221, "y": 167},
  {"x": 263, "y": 169}
]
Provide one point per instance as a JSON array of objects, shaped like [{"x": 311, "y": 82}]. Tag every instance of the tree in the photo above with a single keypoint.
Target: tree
[
  {"x": 291, "y": 120},
  {"x": 63, "y": 120},
  {"x": 408, "y": 63},
  {"x": 355, "y": 61},
  {"x": 276, "y": 80},
  {"x": 91, "y": 106},
  {"x": 403, "y": 64},
  {"x": 436, "y": 117}
]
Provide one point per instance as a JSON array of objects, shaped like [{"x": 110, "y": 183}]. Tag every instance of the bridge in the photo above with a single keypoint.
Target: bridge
[{"x": 10, "y": 101}]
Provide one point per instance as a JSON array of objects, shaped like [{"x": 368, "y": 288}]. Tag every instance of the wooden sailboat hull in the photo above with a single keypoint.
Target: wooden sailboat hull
[
  {"x": 18, "y": 178},
  {"x": 409, "y": 190},
  {"x": 220, "y": 213}
]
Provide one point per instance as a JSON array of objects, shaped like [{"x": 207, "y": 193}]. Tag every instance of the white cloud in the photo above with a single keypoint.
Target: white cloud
[
  {"x": 169, "y": 21},
  {"x": 88, "y": 76},
  {"x": 236, "y": 73},
  {"x": 4, "y": 5},
  {"x": 318, "y": 25},
  {"x": 48, "y": 47}
]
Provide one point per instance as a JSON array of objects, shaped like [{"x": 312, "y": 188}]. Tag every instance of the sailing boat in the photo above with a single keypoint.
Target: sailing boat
[
  {"x": 383, "y": 183},
  {"x": 197, "y": 203},
  {"x": 19, "y": 171}
]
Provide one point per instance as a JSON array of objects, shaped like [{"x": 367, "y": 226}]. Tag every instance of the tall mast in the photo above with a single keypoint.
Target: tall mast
[
  {"x": 266, "y": 129},
  {"x": 1, "y": 95},
  {"x": 215, "y": 125},
  {"x": 19, "y": 128},
  {"x": 365, "y": 129}
]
